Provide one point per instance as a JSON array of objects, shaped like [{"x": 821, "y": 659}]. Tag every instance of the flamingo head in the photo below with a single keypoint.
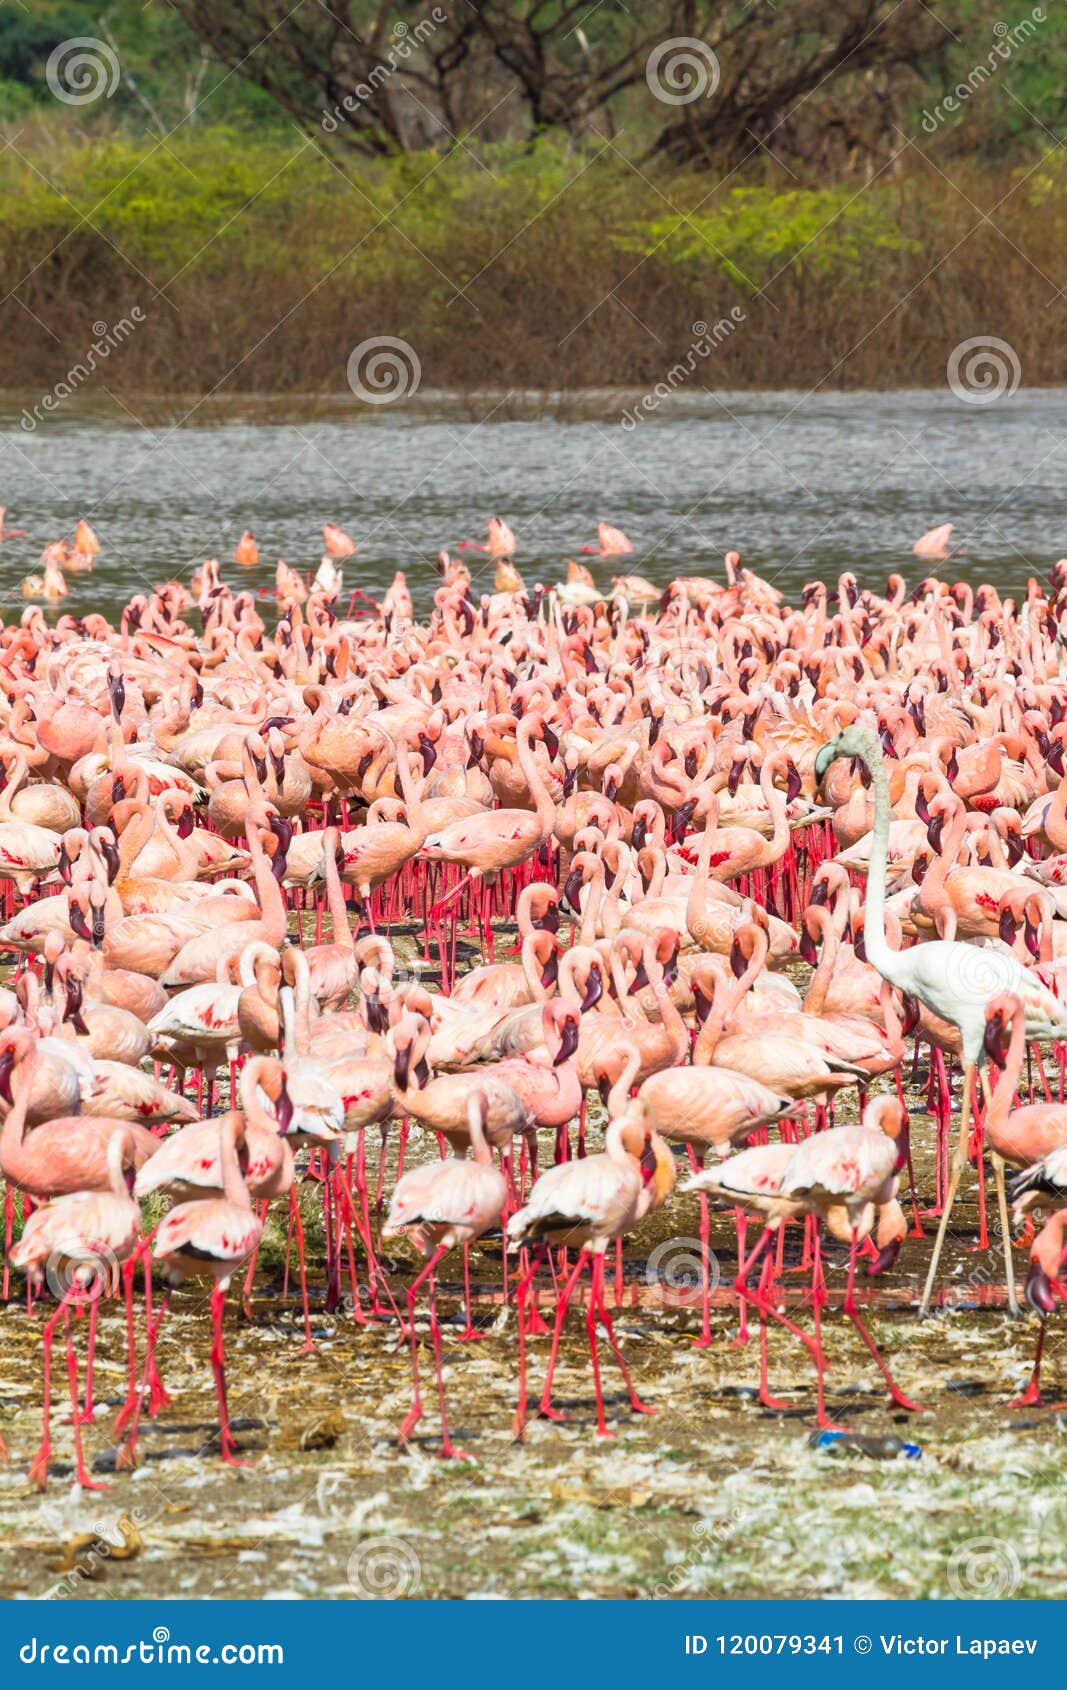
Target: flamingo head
[
  {"x": 1000, "y": 1013},
  {"x": 853, "y": 741},
  {"x": 1039, "y": 1292}
]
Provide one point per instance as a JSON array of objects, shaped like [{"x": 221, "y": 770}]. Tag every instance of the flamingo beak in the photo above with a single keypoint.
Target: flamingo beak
[
  {"x": 594, "y": 990},
  {"x": 572, "y": 891},
  {"x": 1039, "y": 1293},
  {"x": 670, "y": 969},
  {"x": 737, "y": 960},
  {"x": 568, "y": 1042},
  {"x": 683, "y": 815},
  {"x": 794, "y": 784},
  {"x": 1006, "y": 927},
  {"x": 7, "y": 1062},
  {"x": 401, "y": 1067}
]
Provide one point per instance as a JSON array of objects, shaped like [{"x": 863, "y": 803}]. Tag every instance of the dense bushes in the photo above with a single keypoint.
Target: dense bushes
[{"x": 259, "y": 264}]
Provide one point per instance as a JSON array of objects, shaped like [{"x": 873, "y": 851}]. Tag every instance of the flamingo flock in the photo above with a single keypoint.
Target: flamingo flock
[{"x": 520, "y": 910}]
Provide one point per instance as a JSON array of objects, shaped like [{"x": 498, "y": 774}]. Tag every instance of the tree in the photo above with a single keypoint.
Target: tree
[
  {"x": 381, "y": 83},
  {"x": 800, "y": 70}
]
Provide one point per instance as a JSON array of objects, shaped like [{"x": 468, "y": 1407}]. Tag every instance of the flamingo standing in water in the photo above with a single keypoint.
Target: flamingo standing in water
[
  {"x": 932, "y": 546},
  {"x": 611, "y": 542},
  {"x": 439, "y": 1205},
  {"x": 500, "y": 541}
]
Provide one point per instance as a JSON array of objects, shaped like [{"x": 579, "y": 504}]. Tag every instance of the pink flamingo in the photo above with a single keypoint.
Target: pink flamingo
[
  {"x": 611, "y": 542},
  {"x": 932, "y": 546},
  {"x": 589, "y": 1204},
  {"x": 213, "y": 1237},
  {"x": 500, "y": 542},
  {"x": 81, "y": 1240}
]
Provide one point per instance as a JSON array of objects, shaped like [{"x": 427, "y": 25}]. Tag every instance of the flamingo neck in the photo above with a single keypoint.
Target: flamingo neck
[
  {"x": 619, "y": 1095},
  {"x": 1004, "y": 1091},
  {"x": 233, "y": 1185},
  {"x": 879, "y": 955}
]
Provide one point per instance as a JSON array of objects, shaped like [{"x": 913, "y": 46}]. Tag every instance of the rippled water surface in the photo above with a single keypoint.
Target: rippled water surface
[{"x": 803, "y": 485}]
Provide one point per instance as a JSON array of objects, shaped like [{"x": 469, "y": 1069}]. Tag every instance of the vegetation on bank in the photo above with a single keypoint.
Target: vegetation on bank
[
  {"x": 518, "y": 202},
  {"x": 259, "y": 264}
]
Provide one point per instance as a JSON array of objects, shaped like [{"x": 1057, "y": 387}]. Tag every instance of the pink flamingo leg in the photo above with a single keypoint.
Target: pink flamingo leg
[
  {"x": 448, "y": 1450},
  {"x": 590, "y": 1327},
  {"x": 308, "y": 1347},
  {"x": 536, "y": 1325},
  {"x": 764, "y": 1294},
  {"x": 125, "y": 1413},
  {"x": 84, "y": 1416},
  {"x": 81, "y": 1475},
  {"x": 605, "y": 1320},
  {"x": 545, "y": 1409},
  {"x": 1031, "y": 1397},
  {"x": 415, "y": 1412},
  {"x": 742, "y": 1307},
  {"x": 38, "y": 1473},
  {"x": 470, "y": 1331},
  {"x": 218, "y": 1368},
  {"x": 897, "y": 1395}
]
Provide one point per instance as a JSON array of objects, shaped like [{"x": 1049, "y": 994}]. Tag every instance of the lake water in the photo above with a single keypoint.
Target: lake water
[{"x": 803, "y": 486}]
